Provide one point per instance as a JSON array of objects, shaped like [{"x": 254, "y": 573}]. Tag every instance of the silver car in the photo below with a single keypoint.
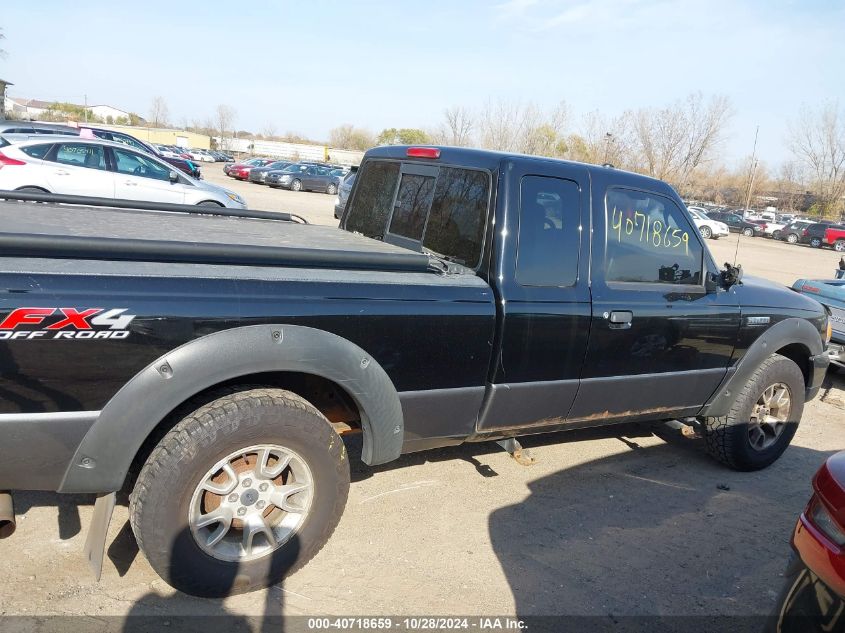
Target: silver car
[{"x": 72, "y": 165}]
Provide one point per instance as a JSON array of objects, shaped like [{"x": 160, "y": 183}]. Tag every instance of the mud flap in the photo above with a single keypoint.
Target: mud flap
[{"x": 95, "y": 543}]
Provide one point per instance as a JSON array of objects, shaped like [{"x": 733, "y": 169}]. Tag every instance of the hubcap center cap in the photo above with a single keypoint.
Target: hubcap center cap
[{"x": 249, "y": 497}]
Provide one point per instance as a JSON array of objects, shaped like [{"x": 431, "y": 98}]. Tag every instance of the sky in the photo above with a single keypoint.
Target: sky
[{"x": 307, "y": 67}]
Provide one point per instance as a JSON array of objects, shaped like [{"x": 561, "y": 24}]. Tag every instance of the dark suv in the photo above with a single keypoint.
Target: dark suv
[
  {"x": 737, "y": 224},
  {"x": 793, "y": 231},
  {"x": 814, "y": 233}
]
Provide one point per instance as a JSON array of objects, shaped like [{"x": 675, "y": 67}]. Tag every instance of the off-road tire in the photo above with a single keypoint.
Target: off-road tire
[
  {"x": 726, "y": 437},
  {"x": 159, "y": 502}
]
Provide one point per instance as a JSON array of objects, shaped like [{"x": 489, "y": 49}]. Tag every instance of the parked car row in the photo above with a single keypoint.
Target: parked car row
[
  {"x": 203, "y": 155},
  {"x": 87, "y": 165},
  {"x": 296, "y": 176}
]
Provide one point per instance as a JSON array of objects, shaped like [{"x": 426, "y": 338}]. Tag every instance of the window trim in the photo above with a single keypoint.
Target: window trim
[
  {"x": 698, "y": 288},
  {"x": 402, "y": 162},
  {"x": 519, "y": 229}
]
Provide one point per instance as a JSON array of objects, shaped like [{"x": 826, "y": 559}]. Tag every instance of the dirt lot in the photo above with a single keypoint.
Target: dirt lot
[{"x": 606, "y": 523}]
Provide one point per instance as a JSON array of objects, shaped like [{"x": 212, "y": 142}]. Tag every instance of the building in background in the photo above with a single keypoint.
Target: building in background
[{"x": 162, "y": 136}]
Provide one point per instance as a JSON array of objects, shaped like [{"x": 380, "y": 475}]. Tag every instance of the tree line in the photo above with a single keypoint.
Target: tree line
[{"x": 680, "y": 143}]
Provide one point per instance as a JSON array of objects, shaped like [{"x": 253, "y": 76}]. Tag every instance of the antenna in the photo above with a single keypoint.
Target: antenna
[{"x": 749, "y": 189}]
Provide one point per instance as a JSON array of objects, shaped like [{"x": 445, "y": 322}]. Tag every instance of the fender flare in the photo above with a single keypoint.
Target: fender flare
[
  {"x": 786, "y": 332},
  {"x": 105, "y": 454}
]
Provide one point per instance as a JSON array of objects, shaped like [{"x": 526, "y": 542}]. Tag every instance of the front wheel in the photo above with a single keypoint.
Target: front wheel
[
  {"x": 776, "y": 235},
  {"x": 296, "y": 185},
  {"x": 331, "y": 189},
  {"x": 706, "y": 232},
  {"x": 748, "y": 232},
  {"x": 241, "y": 492},
  {"x": 839, "y": 246},
  {"x": 762, "y": 419}
]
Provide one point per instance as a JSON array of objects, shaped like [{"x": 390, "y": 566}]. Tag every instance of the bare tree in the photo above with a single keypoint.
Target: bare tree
[
  {"x": 224, "y": 119},
  {"x": 673, "y": 141},
  {"x": 458, "y": 126},
  {"x": 2, "y": 50},
  {"x": 817, "y": 140},
  {"x": 159, "y": 112},
  {"x": 268, "y": 131},
  {"x": 349, "y": 137},
  {"x": 513, "y": 127}
]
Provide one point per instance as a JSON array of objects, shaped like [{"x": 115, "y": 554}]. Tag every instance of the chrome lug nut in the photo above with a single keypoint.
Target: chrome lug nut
[
  {"x": 263, "y": 487},
  {"x": 247, "y": 482},
  {"x": 241, "y": 512},
  {"x": 233, "y": 497},
  {"x": 259, "y": 505}
]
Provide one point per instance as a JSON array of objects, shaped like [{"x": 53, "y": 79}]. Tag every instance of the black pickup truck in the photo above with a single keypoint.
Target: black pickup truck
[{"x": 208, "y": 365}]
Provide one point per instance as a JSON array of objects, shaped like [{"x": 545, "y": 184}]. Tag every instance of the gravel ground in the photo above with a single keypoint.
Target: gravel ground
[{"x": 608, "y": 522}]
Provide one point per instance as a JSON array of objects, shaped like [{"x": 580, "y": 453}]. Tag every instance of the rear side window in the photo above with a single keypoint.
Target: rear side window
[
  {"x": 549, "y": 236},
  {"x": 649, "y": 240},
  {"x": 373, "y": 198},
  {"x": 81, "y": 155},
  {"x": 36, "y": 151},
  {"x": 456, "y": 221}
]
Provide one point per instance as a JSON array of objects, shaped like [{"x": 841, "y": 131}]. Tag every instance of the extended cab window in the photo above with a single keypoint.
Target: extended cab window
[
  {"x": 549, "y": 237},
  {"x": 649, "y": 240}
]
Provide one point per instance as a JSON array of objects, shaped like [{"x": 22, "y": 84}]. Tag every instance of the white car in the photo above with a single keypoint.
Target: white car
[
  {"x": 166, "y": 152},
  {"x": 71, "y": 165},
  {"x": 707, "y": 227},
  {"x": 201, "y": 155}
]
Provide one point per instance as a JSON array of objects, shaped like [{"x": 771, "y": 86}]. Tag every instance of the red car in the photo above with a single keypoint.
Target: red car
[
  {"x": 240, "y": 171},
  {"x": 813, "y": 598},
  {"x": 835, "y": 236}
]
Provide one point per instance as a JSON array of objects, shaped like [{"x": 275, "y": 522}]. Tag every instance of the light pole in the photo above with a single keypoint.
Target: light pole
[{"x": 608, "y": 139}]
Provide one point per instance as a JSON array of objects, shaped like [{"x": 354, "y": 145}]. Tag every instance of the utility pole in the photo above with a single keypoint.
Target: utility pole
[
  {"x": 85, "y": 111},
  {"x": 608, "y": 139},
  {"x": 753, "y": 171}
]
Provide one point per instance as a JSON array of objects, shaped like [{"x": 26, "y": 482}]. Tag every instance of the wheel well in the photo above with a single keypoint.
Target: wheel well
[
  {"x": 800, "y": 355},
  {"x": 328, "y": 397},
  {"x": 209, "y": 203},
  {"x": 32, "y": 187}
]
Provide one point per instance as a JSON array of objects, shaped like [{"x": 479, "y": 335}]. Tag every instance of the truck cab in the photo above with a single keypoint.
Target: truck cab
[{"x": 609, "y": 305}]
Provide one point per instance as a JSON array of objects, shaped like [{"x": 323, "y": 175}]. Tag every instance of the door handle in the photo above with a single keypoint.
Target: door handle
[
  {"x": 129, "y": 183},
  {"x": 61, "y": 172},
  {"x": 619, "y": 319}
]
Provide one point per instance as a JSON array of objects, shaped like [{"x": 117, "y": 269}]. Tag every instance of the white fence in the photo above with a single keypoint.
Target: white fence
[{"x": 290, "y": 151}]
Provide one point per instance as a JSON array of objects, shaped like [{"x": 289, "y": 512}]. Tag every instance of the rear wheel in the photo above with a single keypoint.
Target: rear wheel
[
  {"x": 296, "y": 185},
  {"x": 762, "y": 419},
  {"x": 816, "y": 242},
  {"x": 241, "y": 492},
  {"x": 839, "y": 246},
  {"x": 792, "y": 238},
  {"x": 706, "y": 232},
  {"x": 776, "y": 235}
]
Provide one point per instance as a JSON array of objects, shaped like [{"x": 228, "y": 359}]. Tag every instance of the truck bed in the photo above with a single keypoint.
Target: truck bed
[{"x": 80, "y": 232}]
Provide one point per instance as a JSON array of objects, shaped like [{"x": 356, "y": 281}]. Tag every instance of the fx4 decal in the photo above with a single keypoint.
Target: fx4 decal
[{"x": 64, "y": 323}]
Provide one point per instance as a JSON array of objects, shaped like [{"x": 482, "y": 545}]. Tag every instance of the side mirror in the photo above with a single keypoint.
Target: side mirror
[{"x": 174, "y": 177}]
